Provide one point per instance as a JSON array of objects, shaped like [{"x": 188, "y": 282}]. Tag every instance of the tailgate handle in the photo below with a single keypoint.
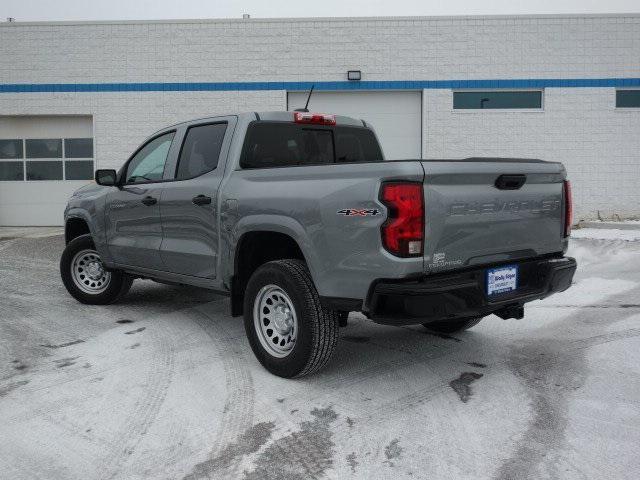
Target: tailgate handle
[{"x": 510, "y": 182}]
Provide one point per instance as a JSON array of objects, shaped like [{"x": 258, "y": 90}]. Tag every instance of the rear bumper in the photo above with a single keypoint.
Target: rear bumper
[{"x": 462, "y": 294}]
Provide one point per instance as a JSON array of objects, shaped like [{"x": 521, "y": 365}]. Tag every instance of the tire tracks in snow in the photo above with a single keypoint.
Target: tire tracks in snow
[
  {"x": 137, "y": 422},
  {"x": 552, "y": 368},
  {"x": 237, "y": 414}
]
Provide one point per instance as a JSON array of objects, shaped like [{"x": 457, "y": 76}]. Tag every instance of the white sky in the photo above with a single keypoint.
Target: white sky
[{"x": 34, "y": 10}]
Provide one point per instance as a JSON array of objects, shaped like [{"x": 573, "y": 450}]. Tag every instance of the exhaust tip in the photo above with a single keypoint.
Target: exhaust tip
[{"x": 511, "y": 311}]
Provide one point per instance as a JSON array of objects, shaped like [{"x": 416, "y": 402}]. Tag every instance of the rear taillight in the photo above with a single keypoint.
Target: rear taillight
[
  {"x": 403, "y": 231},
  {"x": 568, "y": 208},
  {"x": 314, "y": 118}
]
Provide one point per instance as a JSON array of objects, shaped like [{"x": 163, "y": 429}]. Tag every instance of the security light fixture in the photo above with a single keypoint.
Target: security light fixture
[{"x": 354, "y": 75}]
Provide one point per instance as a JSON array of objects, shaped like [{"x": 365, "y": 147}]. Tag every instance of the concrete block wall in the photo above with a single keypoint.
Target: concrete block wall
[
  {"x": 323, "y": 49},
  {"x": 123, "y": 120},
  {"x": 578, "y": 126}
]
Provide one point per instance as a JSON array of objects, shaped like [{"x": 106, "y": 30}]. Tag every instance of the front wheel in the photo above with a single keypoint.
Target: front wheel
[
  {"x": 84, "y": 276},
  {"x": 289, "y": 331},
  {"x": 452, "y": 326}
]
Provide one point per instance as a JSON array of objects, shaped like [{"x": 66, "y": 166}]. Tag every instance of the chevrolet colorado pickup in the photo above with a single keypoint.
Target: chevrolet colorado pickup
[{"x": 300, "y": 220}]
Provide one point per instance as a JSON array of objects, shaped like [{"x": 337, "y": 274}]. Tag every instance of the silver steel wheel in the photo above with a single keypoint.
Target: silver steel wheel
[
  {"x": 88, "y": 273},
  {"x": 275, "y": 321}
]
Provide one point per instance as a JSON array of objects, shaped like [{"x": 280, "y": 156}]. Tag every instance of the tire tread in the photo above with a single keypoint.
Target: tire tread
[{"x": 325, "y": 326}]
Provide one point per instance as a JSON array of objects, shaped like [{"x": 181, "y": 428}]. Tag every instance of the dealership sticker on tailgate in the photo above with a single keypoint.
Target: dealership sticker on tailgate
[{"x": 502, "y": 279}]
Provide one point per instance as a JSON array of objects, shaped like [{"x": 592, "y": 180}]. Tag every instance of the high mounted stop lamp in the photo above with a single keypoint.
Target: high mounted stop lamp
[{"x": 354, "y": 75}]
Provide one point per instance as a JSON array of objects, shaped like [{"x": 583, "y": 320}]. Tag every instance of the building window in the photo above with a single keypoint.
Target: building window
[
  {"x": 35, "y": 159},
  {"x": 10, "y": 149},
  {"x": 628, "y": 98},
  {"x": 497, "y": 100},
  {"x": 11, "y": 171},
  {"x": 78, "y": 147},
  {"x": 43, "y": 148},
  {"x": 78, "y": 170},
  {"x": 44, "y": 170}
]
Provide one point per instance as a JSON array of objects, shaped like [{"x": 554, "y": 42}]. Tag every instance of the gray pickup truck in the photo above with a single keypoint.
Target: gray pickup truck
[{"x": 300, "y": 220}]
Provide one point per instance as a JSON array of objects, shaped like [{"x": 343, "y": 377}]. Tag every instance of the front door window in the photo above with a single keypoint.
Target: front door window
[{"x": 148, "y": 164}]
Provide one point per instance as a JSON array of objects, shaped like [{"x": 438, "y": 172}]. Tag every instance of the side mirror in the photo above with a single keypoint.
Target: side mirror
[{"x": 107, "y": 178}]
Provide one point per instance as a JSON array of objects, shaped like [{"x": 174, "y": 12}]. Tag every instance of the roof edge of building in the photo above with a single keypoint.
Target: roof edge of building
[{"x": 532, "y": 16}]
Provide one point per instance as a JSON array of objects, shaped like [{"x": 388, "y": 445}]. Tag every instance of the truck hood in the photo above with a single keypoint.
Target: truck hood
[{"x": 90, "y": 189}]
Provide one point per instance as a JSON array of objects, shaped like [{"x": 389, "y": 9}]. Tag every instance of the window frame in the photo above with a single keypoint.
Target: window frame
[
  {"x": 624, "y": 109},
  {"x": 27, "y": 160},
  {"x": 184, "y": 139},
  {"x": 498, "y": 110},
  {"x": 66, "y": 160},
  {"x": 122, "y": 174},
  {"x": 23, "y": 160}
]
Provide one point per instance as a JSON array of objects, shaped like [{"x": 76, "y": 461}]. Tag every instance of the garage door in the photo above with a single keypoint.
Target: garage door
[
  {"x": 395, "y": 116},
  {"x": 43, "y": 159}
]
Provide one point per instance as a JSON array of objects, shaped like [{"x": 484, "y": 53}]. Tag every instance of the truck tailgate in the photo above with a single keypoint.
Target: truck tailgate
[{"x": 477, "y": 214}]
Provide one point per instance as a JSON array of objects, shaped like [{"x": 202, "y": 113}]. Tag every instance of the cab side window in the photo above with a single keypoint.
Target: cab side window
[
  {"x": 200, "y": 150},
  {"x": 148, "y": 164}
]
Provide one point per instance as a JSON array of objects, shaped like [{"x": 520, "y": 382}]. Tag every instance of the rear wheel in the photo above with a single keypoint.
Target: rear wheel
[
  {"x": 289, "y": 331},
  {"x": 84, "y": 276},
  {"x": 452, "y": 326}
]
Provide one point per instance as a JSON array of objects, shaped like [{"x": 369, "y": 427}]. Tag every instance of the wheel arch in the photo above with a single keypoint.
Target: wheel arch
[
  {"x": 255, "y": 248},
  {"x": 74, "y": 227}
]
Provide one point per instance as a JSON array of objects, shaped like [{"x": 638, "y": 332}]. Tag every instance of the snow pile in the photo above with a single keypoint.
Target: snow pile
[{"x": 607, "y": 234}]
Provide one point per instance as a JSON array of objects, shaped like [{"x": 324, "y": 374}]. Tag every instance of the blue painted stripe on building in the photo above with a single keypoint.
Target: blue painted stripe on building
[{"x": 327, "y": 86}]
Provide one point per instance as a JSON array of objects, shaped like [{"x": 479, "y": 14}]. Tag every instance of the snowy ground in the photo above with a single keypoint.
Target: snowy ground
[{"x": 163, "y": 385}]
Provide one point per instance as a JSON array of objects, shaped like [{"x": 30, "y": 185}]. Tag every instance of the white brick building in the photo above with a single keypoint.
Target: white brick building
[{"x": 117, "y": 82}]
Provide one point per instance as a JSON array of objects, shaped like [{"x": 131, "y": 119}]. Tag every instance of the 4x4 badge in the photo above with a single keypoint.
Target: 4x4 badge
[{"x": 359, "y": 212}]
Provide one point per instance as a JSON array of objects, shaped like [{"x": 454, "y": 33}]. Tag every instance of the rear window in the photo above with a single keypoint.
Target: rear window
[
  {"x": 280, "y": 144},
  {"x": 356, "y": 145}
]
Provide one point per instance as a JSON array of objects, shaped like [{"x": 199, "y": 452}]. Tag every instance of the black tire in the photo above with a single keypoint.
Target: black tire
[
  {"x": 452, "y": 326},
  {"x": 119, "y": 283},
  {"x": 317, "y": 328}
]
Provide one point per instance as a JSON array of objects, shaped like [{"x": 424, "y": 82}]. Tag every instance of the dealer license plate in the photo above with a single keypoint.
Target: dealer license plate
[{"x": 502, "y": 279}]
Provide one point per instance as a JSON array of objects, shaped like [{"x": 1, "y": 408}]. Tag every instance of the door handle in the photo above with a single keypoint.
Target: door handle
[
  {"x": 149, "y": 201},
  {"x": 201, "y": 200}
]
